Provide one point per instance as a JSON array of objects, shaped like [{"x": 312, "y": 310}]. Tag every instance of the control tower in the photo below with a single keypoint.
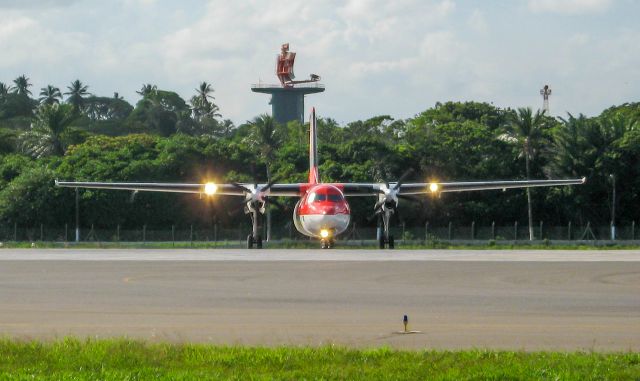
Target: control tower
[{"x": 287, "y": 98}]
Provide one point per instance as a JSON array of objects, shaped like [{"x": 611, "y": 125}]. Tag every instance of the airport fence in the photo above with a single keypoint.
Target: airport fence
[{"x": 355, "y": 234}]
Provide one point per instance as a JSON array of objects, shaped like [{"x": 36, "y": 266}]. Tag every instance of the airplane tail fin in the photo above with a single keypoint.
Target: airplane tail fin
[{"x": 314, "y": 176}]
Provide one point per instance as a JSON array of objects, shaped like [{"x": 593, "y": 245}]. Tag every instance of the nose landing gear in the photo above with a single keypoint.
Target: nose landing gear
[{"x": 327, "y": 243}]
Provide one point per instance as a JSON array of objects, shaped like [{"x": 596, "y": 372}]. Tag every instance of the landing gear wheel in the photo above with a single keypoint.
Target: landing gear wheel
[
  {"x": 330, "y": 244},
  {"x": 381, "y": 242},
  {"x": 259, "y": 242},
  {"x": 323, "y": 244},
  {"x": 250, "y": 241},
  {"x": 390, "y": 242}
]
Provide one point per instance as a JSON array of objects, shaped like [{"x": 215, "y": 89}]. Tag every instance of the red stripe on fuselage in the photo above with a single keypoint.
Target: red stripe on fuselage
[{"x": 322, "y": 199}]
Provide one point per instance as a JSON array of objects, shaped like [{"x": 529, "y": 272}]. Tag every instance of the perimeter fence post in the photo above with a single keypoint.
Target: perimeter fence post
[
  {"x": 41, "y": 233},
  {"x": 633, "y": 230},
  {"x": 144, "y": 233},
  {"x": 118, "y": 233},
  {"x": 569, "y": 231},
  {"x": 473, "y": 230},
  {"x": 541, "y": 230},
  {"x": 404, "y": 225},
  {"x": 215, "y": 232},
  {"x": 173, "y": 235},
  {"x": 450, "y": 231},
  {"x": 493, "y": 230},
  {"x": 426, "y": 231},
  {"x": 515, "y": 231},
  {"x": 66, "y": 229},
  {"x": 191, "y": 236},
  {"x": 15, "y": 232}
]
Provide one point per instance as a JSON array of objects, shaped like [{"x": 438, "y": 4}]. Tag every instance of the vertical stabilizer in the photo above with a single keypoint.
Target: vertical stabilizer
[{"x": 314, "y": 177}]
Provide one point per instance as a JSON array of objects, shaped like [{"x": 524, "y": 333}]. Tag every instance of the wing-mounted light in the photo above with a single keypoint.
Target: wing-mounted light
[
  {"x": 434, "y": 187},
  {"x": 210, "y": 189}
]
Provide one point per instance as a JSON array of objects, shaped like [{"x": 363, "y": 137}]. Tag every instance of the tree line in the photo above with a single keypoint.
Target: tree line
[{"x": 72, "y": 134}]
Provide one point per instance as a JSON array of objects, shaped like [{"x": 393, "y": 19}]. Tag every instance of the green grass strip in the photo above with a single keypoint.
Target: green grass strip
[{"x": 122, "y": 359}]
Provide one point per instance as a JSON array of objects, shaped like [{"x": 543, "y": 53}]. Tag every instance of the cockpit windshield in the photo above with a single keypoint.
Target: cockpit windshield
[{"x": 318, "y": 197}]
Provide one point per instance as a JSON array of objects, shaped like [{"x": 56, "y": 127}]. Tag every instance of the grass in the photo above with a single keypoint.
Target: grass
[
  {"x": 409, "y": 245},
  {"x": 121, "y": 359}
]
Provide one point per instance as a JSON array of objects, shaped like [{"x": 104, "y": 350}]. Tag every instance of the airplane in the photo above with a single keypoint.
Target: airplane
[{"x": 322, "y": 210}]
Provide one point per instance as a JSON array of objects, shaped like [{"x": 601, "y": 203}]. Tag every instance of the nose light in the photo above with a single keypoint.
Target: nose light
[
  {"x": 324, "y": 233},
  {"x": 210, "y": 189}
]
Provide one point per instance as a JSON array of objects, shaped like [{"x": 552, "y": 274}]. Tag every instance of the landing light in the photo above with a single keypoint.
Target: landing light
[
  {"x": 210, "y": 189},
  {"x": 433, "y": 187},
  {"x": 324, "y": 233}
]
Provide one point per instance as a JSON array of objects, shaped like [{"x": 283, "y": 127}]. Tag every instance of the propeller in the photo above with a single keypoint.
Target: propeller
[
  {"x": 389, "y": 194},
  {"x": 255, "y": 196}
]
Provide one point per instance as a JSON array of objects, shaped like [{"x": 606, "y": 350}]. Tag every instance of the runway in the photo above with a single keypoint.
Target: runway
[{"x": 530, "y": 300}]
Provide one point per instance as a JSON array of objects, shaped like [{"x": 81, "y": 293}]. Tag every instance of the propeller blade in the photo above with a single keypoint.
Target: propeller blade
[
  {"x": 133, "y": 196},
  {"x": 411, "y": 198},
  {"x": 241, "y": 187},
  {"x": 233, "y": 211},
  {"x": 403, "y": 178},
  {"x": 269, "y": 185},
  {"x": 373, "y": 216}
]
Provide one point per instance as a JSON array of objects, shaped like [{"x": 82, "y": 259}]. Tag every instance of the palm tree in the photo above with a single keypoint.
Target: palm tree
[
  {"x": 4, "y": 90},
  {"x": 44, "y": 138},
  {"x": 202, "y": 103},
  {"x": 527, "y": 129},
  {"x": 50, "y": 95},
  {"x": 147, "y": 89},
  {"x": 22, "y": 85},
  {"x": 77, "y": 92},
  {"x": 264, "y": 139}
]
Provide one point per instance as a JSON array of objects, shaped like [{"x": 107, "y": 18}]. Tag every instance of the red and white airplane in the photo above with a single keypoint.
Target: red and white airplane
[{"x": 322, "y": 210}]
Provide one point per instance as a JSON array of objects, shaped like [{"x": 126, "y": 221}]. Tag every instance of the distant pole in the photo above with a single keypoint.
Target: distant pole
[
  {"x": 77, "y": 215},
  {"x": 613, "y": 208},
  {"x": 545, "y": 92}
]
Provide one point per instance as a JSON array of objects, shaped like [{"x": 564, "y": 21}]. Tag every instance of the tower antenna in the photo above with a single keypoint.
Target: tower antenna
[{"x": 545, "y": 92}]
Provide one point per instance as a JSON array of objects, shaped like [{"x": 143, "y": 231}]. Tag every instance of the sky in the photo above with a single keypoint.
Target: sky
[{"x": 384, "y": 57}]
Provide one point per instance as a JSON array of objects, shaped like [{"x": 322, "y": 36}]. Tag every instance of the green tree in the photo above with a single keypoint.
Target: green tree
[
  {"x": 160, "y": 112},
  {"x": 4, "y": 90},
  {"x": 202, "y": 103},
  {"x": 147, "y": 90},
  {"x": 264, "y": 139},
  {"x": 45, "y": 137},
  {"x": 528, "y": 131},
  {"x": 77, "y": 93},
  {"x": 50, "y": 95},
  {"x": 22, "y": 85}
]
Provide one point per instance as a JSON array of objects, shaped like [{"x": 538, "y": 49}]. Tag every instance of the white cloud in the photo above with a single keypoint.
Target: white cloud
[
  {"x": 478, "y": 21},
  {"x": 375, "y": 56},
  {"x": 569, "y": 6}
]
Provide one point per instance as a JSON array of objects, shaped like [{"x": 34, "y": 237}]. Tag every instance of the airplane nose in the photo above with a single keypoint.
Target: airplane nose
[{"x": 329, "y": 210}]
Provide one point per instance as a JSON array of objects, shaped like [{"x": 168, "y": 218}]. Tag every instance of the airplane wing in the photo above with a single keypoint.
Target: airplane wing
[
  {"x": 297, "y": 189},
  {"x": 371, "y": 189},
  {"x": 232, "y": 189},
  {"x": 436, "y": 187}
]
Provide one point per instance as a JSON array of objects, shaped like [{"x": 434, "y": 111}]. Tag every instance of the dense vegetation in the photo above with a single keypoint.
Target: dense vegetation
[
  {"x": 135, "y": 360},
  {"x": 75, "y": 135}
]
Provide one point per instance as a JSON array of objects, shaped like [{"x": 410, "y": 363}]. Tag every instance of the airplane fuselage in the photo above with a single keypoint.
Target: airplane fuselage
[{"x": 322, "y": 212}]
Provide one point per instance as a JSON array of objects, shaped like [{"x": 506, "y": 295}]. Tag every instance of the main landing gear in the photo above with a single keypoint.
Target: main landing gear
[
  {"x": 254, "y": 238},
  {"x": 386, "y": 238}
]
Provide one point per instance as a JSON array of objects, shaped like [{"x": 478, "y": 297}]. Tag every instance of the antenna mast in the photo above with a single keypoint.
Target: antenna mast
[{"x": 545, "y": 92}]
